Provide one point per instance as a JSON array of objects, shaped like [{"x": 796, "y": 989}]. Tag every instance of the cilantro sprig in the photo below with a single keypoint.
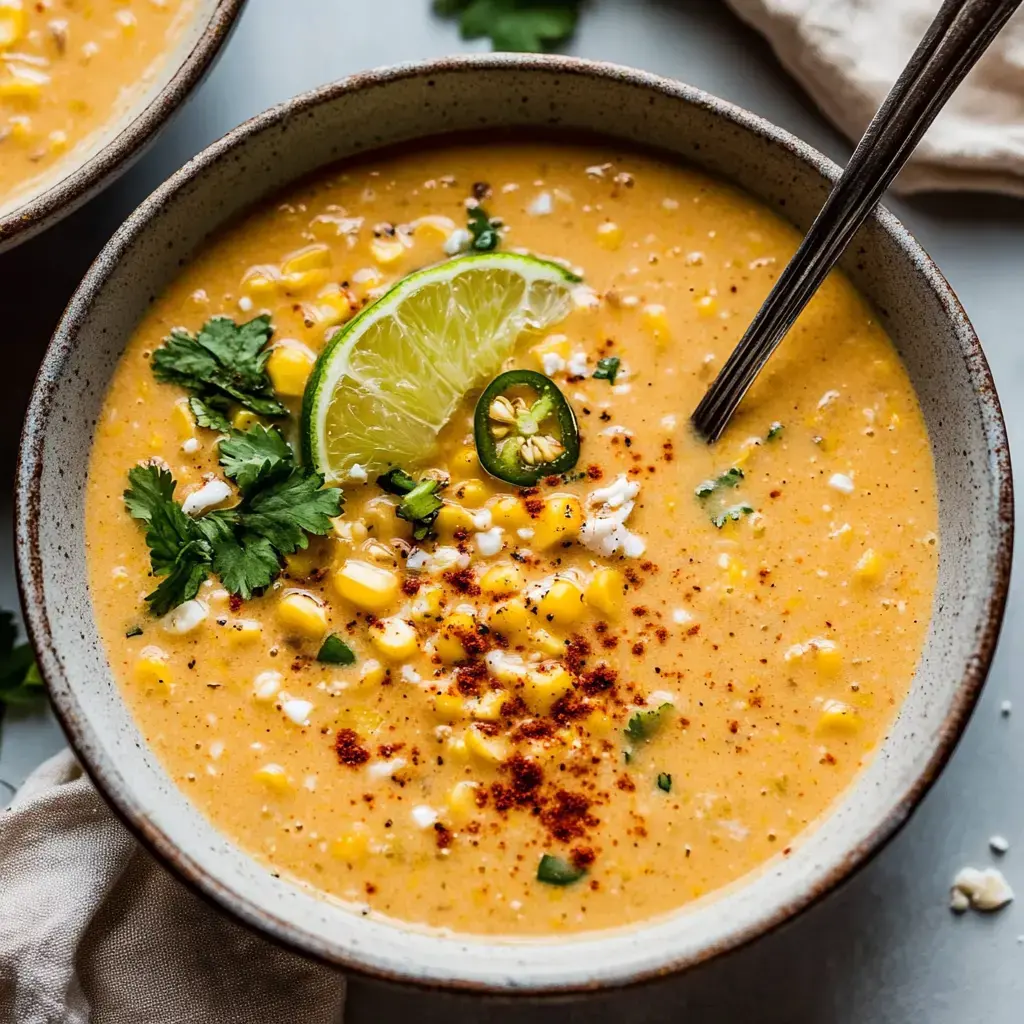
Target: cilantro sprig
[
  {"x": 420, "y": 503},
  {"x": 607, "y": 369},
  {"x": 528, "y": 26},
  {"x": 280, "y": 505},
  {"x": 223, "y": 363},
  {"x": 483, "y": 230}
]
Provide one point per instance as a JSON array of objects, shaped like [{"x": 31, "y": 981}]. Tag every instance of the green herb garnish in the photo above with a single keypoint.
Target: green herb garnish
[
  {"x": 558, "y": 871},
  {"x": 731, "y": 514},
  {"x": 526, "y": 26},
  {"x": 280, "y": 505},
  {"x": 730, "y": 478},
  {"x": 665, "y": 782},
  {"x": 607, "y": 369},
  {"x": 420, "y": 503},
  {"x": 484, "y": 231},
  {"x": 134, "y": 631},
  {"x": 775, "y": 431},
  {"x": 224, "y": 363},
  {"x": 20, "y": 681},
  {"x": 644, "y": 724},
  {"x": 335, "y": 651}
]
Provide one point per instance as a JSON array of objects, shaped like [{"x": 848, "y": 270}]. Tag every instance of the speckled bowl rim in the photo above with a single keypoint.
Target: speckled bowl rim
[
  {"x": 100, "y": 766},
  {"x": 85, "y": 180}
]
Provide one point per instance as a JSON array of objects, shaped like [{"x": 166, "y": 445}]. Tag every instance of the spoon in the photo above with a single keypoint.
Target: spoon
[{"x": 961, "y": 32}]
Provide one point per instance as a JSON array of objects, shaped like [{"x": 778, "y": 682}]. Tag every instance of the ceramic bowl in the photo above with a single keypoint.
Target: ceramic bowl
[
  {"x": 384, "y": 107},
  {"x": 114, "y": 148}
]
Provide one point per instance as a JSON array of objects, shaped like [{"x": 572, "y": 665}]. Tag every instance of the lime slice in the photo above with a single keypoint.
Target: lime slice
[{"x": 392, "y": 377}]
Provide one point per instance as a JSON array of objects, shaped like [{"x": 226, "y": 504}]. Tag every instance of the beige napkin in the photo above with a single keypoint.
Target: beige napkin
[
  {"x": 93, "y": 931},
  {"x": 848, "y": 53}
]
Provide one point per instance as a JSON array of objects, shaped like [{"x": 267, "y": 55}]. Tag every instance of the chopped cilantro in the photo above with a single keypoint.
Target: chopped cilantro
[
  {"x": 484, "y": 232},
  {"x": 527, "y": 26},
  {"x": 421, "y": 503},
  {"x": 20, "y": 681},
  {"x": 335, "y": 651},
  {"x": 558, "y": 871},
  {"x": 665, "y": 782},
  {"x": 644, "y": 724},
  {"x": 730, "y": 478},
  {"x": 775, "y": 431},
  {"x": 224, "y": 362},
  {"x": 396, "y": 481},
  {"x": 280, "y": 504},
  {"x": 731, "y": 514},
  {"x": 607, "y": 369},
  {"x": 134, "y": 631}
]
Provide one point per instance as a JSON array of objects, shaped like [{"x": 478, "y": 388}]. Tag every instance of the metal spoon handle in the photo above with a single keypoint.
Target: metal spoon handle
[{"x": 955, "y": 40}]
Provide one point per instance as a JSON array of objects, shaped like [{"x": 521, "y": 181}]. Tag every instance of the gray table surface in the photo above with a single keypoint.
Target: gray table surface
[{"x": 883, "y": 949}]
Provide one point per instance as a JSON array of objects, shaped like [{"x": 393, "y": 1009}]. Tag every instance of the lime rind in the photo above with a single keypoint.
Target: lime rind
[{"x": 391, "y": 378}]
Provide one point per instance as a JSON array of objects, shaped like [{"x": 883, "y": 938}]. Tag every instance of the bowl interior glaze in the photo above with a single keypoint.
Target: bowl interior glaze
[
  {"x": 377, "y": 109},
  {"x": 143, "y": 113}
]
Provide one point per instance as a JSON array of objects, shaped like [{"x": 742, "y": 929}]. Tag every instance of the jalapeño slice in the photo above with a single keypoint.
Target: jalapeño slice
[{"x": 525, "y": 429}]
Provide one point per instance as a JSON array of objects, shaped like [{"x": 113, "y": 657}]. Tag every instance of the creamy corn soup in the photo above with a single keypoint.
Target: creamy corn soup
[
  {"x": 67, "y": 68},
  {"x": 526, "y": 708}
]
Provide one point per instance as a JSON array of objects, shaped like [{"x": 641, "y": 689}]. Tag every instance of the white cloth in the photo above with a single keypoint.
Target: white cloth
[
  {"x": 848, "y": 53},
  {"x": 94, "y": 931}
]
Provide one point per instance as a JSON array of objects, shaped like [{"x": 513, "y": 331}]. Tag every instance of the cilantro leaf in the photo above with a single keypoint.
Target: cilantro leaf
[
  {"x": 335, "y": 651},
  {"x": 644, "y": 724},
  {"x": 224, "y": 360},
  {"x": 481, "y": 227},
  {"x": 287, "y": 508},
  {"x": 557, "y": 871},
  {"x": 396, "y": 481},
  {"x": 665, "y": 782},
  {"x": 607, "y": 369},
  {"x": 516, "y": 25},
  {"x": 256, "y": 454},
  {"x": 775, "y": 431},
  {"x": 731, "y": 514},
  {"x": 20, "y": 681},
  {"x": 421, "y": 503},
  {"x": 209, "y": 414}
]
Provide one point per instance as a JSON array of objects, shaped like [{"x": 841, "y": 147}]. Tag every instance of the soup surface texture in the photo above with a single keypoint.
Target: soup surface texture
[
  {"x": 67, "y": 68},
  {"x": 639, "y": 680}
]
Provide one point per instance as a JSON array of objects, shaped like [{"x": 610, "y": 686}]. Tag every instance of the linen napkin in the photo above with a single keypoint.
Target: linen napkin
[
  {"x": 848, "y": 53},
  {"x": 94, "y": 931}
]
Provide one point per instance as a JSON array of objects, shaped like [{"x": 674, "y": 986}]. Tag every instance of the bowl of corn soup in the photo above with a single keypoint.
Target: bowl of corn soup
[
  {"x": 384, "y": 590},
  {"x": 83, "y": 88}
]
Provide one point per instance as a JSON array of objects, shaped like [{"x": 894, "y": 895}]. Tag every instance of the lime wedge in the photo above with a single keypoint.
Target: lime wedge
[{"x": 391, "y": 378}]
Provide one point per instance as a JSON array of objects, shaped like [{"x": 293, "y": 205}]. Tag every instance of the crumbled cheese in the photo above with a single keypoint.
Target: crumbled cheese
[
  {"x": 827, "y": 399},
  {"x": 680, "y": 616},
  {"x": 669, "y": 204},
  {"x": 185, "y": 617},
  {"x": 659, "y": 697},
  {"x": 797, "y": 651},
  {"x": 615, "y": 430},
  {"x": 841, "y": 482},
  {"x": 616, "y": 494},
  {"x": 213, "y": 492},
  {"x": 482, "y": 519},
  {"x": 447, "y": 557},
  {"x": 577, "y": 364},
  {"x": 266, "y": 685},
  {"x": 191, "y": 446},
  {"x": 584, "y": 297},
  {"x": 309, "y": 782},
  {"x": 358, "y": 474},
  {"x": 489, "y": 542},
  {"x": 385, "y": 769},
  {"x": 216, "y": 749},
  {"x": 542, "y": 206},
  {"x": 419, "y": 559},
  {"x": 1005, "y": 708},
  {"x": 245, "y": 304},
  {"x": 410, "y": 675},
  {"x": 669, "y": 422},
  {"x": 604, "y": 531},
  {"x": 983, "y": 890},
  {"x": 424, "y": 816},
  {"x": 621, "y": 389},
  {"x": 999, "y": 844},
  {"x": 457, "y": 241},
  {"x": 525, "y": 533},
  {"x": 552, "y": 363},
  {"x": 297, "y": 710}
]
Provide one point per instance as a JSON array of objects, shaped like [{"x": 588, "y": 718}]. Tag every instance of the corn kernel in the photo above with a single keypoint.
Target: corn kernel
[
  {"x": 465, "y": 463},
  {"x": 599, "y": 724},
  {"x": 302, "y": 615},
  {"x": 562, "y": 604},
  {"x": 274, "y": 777},
  {"x": 387, "y": 250},
  {"x": 457, "y": 749},
  {"x": 428, "y": 604},
  {"x": 448, "y": 643},
  {"x": 312, "y": 257},
  {"x": 461, "y": 801},
  {"x": 508, "y": 512},
  {"x": 244, "y": 419},
  {"x": 394, "y": 638},
  {"x": 838, "y": 717},
  {"x": 354, "y": 846},
  {"x": 829, "y": 659},
  {"x": 152, "y": 669},
  {"x": 244, "y": 631},
  {"x": 606, "y": 592},
  {"x": 371, "y": 674},
  {"x": 433, "y": 227},
  {"x": 654, "y": 320},
  {"x": 609, "y": 235},
  {"x": 472, "y": 493},
  {"x": 13, "y": 22},
  {"x": 24, "y": 83},
  {"x": 543, "y": 686},
  {"x": 184, "y": 421},
  {"x": 334, "y": 305},
  {"x": 492, "y": 749},
  {"x": 868, "y": 567},
  {"x": 559, "y": 521},
  {"x": 128, "y": 22},
  {"x": 57, "y": 141},
  {"x": 305, "y": 561},
  {"x": 289, "y": 367},
  {"x": 502, "y": 579},
  {"x": 707, "y": 305},
  {"x": 366, "y": 586},
  {"x": 449, "y": 707},
  {"x": 261, "y": 282},
  {"x": 451, "y": 518},
  {"x": 21, "y": 128},
  {"x": 488, "y": 707},
  {"x": 509, "y": 618},
  {"x": 548, "y": 644}
]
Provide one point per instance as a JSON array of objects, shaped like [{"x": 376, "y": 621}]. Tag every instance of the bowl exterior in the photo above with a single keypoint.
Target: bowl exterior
[
  {"x": 116, "y": 146},
  {"x": 380, "y": 108}
]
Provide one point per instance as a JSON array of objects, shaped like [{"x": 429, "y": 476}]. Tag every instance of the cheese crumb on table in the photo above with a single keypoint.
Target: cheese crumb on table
[{"x": 984, "y": 890}]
